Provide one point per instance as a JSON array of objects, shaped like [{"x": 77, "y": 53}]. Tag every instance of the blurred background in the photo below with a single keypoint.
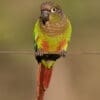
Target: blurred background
[{"x": 74, "y": 78}]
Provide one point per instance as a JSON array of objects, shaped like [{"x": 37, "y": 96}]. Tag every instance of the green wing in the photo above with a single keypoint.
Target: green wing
[
  {"x": 69, "y": 30},
  {"x": 35, "y": 34}
]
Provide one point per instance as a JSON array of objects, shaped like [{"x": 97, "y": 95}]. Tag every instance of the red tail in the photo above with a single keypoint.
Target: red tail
[{"x": 44, "y": 76}]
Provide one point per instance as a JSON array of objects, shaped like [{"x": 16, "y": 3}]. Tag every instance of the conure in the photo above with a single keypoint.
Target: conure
[{"x": 51, "y": 35}]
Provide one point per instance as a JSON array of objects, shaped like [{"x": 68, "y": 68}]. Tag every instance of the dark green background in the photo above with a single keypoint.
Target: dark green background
[{"x": 77, "y": 74}]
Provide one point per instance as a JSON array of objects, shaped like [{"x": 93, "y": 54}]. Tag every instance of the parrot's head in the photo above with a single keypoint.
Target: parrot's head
[{"x": 51, "y": 12}]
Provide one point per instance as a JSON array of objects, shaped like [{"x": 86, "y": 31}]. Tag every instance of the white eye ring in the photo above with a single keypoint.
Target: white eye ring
[{"x": 53, "y": 10}]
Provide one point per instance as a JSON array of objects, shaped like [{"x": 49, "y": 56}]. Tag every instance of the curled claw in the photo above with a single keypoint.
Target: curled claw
[
  {"x": 39, "y": 53},
  {"x": 63, "y": 53}
]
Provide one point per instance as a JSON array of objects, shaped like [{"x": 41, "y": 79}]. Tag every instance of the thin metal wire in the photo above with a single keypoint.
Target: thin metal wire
[{"x": 31, "y": 52}]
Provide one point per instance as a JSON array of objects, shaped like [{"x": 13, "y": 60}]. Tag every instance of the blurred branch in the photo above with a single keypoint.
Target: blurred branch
[{"x": 31, "y": 52}]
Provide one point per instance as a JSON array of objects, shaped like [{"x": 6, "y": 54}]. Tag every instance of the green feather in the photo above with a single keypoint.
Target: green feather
[{"x": 54, "y": 18}]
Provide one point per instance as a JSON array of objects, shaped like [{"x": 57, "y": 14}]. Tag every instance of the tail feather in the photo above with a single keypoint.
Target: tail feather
[{"x": 43, "y": 80}]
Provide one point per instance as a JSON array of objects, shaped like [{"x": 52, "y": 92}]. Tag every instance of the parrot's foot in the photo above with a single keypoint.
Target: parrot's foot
[
  {"x": 39, "y": 53},
  {"x": 63, "y": 53}
]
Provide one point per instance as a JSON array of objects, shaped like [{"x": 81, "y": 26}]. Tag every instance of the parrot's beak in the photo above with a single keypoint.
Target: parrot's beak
[{"x": 44, "y": 16}]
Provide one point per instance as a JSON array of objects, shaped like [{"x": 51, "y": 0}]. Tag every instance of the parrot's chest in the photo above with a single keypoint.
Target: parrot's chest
[{"x": 51, "y": 44}]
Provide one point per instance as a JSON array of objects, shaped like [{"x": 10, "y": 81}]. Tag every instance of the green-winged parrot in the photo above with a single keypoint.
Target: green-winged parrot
[{"x": 51, "y": 35}]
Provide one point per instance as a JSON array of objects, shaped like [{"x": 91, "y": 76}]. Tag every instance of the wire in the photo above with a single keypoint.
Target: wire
[{"x": 31, "y": 52}]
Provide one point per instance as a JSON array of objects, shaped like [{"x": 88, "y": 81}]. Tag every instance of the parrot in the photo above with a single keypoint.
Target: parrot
[{"x": 51, "y": 36}]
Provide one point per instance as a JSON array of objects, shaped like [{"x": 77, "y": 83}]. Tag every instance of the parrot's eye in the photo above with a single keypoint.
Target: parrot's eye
[{"x": 53, "y": 10}]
